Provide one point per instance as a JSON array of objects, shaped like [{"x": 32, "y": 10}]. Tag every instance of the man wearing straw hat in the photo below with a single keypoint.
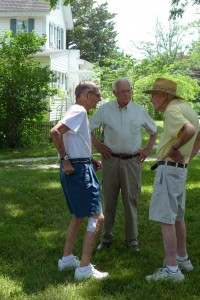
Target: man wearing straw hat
[{"x": 179, "y": 142}]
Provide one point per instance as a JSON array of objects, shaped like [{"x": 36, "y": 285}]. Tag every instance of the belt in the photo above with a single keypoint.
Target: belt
[
  {"x": 169, "y": 163},
  {"x": 125, "y": 156},
  {"x": 80, "y": 160}
]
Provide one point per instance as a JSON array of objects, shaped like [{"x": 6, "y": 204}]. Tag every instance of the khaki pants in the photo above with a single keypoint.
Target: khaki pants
[{"x": 124, "y": 175}]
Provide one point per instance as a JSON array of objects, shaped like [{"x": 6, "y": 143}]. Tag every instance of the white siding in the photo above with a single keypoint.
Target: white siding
[
  {"x": 4, "y": 24},
  {"x": 59, "y": 63}
]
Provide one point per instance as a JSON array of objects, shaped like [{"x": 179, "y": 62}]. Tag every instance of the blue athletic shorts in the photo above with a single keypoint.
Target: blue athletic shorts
[{"x": 81, "y": 189}]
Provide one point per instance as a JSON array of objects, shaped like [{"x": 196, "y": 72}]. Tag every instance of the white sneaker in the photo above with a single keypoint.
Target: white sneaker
[
  {"x": 72, "y": 264},
  {"x": 165, "y": 274},
  {"x": 91, "y": 273},
  {"x": 185, "y": 265}
]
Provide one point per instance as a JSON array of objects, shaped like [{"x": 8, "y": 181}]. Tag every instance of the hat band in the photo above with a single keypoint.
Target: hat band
[{"x": 157, "y": 87}]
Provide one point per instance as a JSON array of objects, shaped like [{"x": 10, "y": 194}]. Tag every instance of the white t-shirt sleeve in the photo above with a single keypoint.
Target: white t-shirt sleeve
[{"x": 73, "y": 119}]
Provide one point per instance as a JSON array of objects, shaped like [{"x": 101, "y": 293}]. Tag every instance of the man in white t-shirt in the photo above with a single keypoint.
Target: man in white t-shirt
[{"x": 72, "y": 139}]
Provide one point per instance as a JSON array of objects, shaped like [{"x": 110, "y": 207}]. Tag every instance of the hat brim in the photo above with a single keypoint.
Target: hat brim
[{"x": 153, "y": 91}]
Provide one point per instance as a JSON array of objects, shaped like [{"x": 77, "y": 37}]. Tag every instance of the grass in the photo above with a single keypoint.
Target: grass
[
  {"x": 33, "y": 224},
  {"x": 47, "y": 151}
]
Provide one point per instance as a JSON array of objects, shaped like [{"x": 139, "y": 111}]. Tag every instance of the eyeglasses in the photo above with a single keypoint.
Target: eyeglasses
[{"x": 125, "y": 91}]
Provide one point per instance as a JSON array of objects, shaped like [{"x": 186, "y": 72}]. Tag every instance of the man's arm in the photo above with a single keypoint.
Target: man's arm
[
  {"x": 196, "y": 146},
  {"x": 187, "y": 132},
  {"x": 57, "y": 137},
  {"x": 145, "y": 152},
  {"x": 100, "y": 147}
]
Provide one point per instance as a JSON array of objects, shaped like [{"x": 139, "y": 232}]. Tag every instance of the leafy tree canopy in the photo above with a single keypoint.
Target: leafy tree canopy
[
  {"x": 179, "y": 7},
  {"x": 93, "y": 32},
  {"x": 24, "y": 84},
  {"x": 53, "y": 3}
]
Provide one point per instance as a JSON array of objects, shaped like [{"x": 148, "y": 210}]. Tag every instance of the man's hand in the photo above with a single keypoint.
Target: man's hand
[
  {"x": 175, "y": 155},
  {"x": 67, "y": 167},
  {"x": 143, "y": 155},
  {"x": 104, "y": 150}
]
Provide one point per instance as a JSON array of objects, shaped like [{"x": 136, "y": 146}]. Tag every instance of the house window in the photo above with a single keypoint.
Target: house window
[
  {"x": 51, "y": 35},
  {"x": 22, "y": 25},
  {"x": 56, "y": 37},
  {"x": 60, "y": 83}
]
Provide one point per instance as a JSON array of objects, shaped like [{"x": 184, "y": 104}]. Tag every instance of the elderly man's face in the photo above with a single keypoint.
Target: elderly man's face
[
  {"x": 159, "y": 100},
  {"x": 123, "y": 93},
  {"x": 93, "y": 97}
]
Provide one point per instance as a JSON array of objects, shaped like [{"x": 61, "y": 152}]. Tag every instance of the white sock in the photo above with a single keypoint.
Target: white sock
[
  {"x": 84, "y": 269},
  {"x": 181, "y": 258},
  {"x": 173, "y": 269},
  {"x": 65, "y": 259}
]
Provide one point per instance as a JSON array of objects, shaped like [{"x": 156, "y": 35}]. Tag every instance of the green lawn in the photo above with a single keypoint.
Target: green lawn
[{"x": 33, "y": 222}]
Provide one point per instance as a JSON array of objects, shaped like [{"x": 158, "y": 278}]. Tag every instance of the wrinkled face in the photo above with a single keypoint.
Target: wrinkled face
[
  {"x": 93, "y": 97},
  {"x": 159, "y": 100},
  {"x": 123, "y": 93}
]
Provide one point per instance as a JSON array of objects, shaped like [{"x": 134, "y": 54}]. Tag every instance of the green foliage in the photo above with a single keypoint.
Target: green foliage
[
  {"x": 120, "y": 66},
  {"x": 188, "y": 88},
  {"x": 53, "y": 3},
  {"x": 93, "y": 32},
  {"x": 195, "y": 54},
  {"x": 24, "y": 84},
  {"x": 179, "y": 7},
  {"x": 165, "y": 58},
  {"x": 169, "y": 45}
]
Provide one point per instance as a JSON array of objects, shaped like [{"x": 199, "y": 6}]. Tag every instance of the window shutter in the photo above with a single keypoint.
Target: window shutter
[
  {"x": 62, "y": 38},
  {"x": 31, "y": 23},
  {"x": 13, "y": 26}
]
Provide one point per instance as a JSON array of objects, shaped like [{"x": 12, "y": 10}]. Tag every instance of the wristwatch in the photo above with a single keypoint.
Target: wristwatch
[{"x": 66, "y": 157}]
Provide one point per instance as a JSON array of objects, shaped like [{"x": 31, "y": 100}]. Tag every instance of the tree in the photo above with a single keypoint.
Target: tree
[
  {"x": 93, "y": 32},
  {"x": 119, "y": 66},
  {"x": 53, "y": 3},
  {"x": 179, "y": 7},
  {"x": 24, "y": 84},
  {"x": 168, "y": 44},
  {"x": 168, "y": 52}
]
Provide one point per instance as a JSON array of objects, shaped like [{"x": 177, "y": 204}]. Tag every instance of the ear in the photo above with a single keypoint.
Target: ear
[{"x": 115, "y": 94}]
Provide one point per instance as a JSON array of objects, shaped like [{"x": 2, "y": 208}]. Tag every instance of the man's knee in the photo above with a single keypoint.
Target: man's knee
[{"x": 95, "y": 223}]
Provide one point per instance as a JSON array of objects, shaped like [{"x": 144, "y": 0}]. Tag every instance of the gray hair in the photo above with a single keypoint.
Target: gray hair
[
  {"x": 117, "y": 81},
  {"x": 85, "y": 86}
]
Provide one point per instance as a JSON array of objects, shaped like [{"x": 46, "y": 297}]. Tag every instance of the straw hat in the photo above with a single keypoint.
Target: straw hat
[{"x": 164, "y": 85}]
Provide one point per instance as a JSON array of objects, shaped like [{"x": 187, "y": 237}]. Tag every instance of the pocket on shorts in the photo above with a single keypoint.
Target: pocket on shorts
[
  {"x": 87, "y": 178},
  {"x": 159, "y": 176}
]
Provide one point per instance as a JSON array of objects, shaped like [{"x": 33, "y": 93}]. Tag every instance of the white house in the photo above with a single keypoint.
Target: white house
[{"x": 28, "y": 15}]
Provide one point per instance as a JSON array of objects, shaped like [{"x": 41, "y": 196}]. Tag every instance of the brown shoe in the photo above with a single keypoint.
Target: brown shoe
[
  {"x": 103, "y": 245},
  {"x": 134, "y": 247}
]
